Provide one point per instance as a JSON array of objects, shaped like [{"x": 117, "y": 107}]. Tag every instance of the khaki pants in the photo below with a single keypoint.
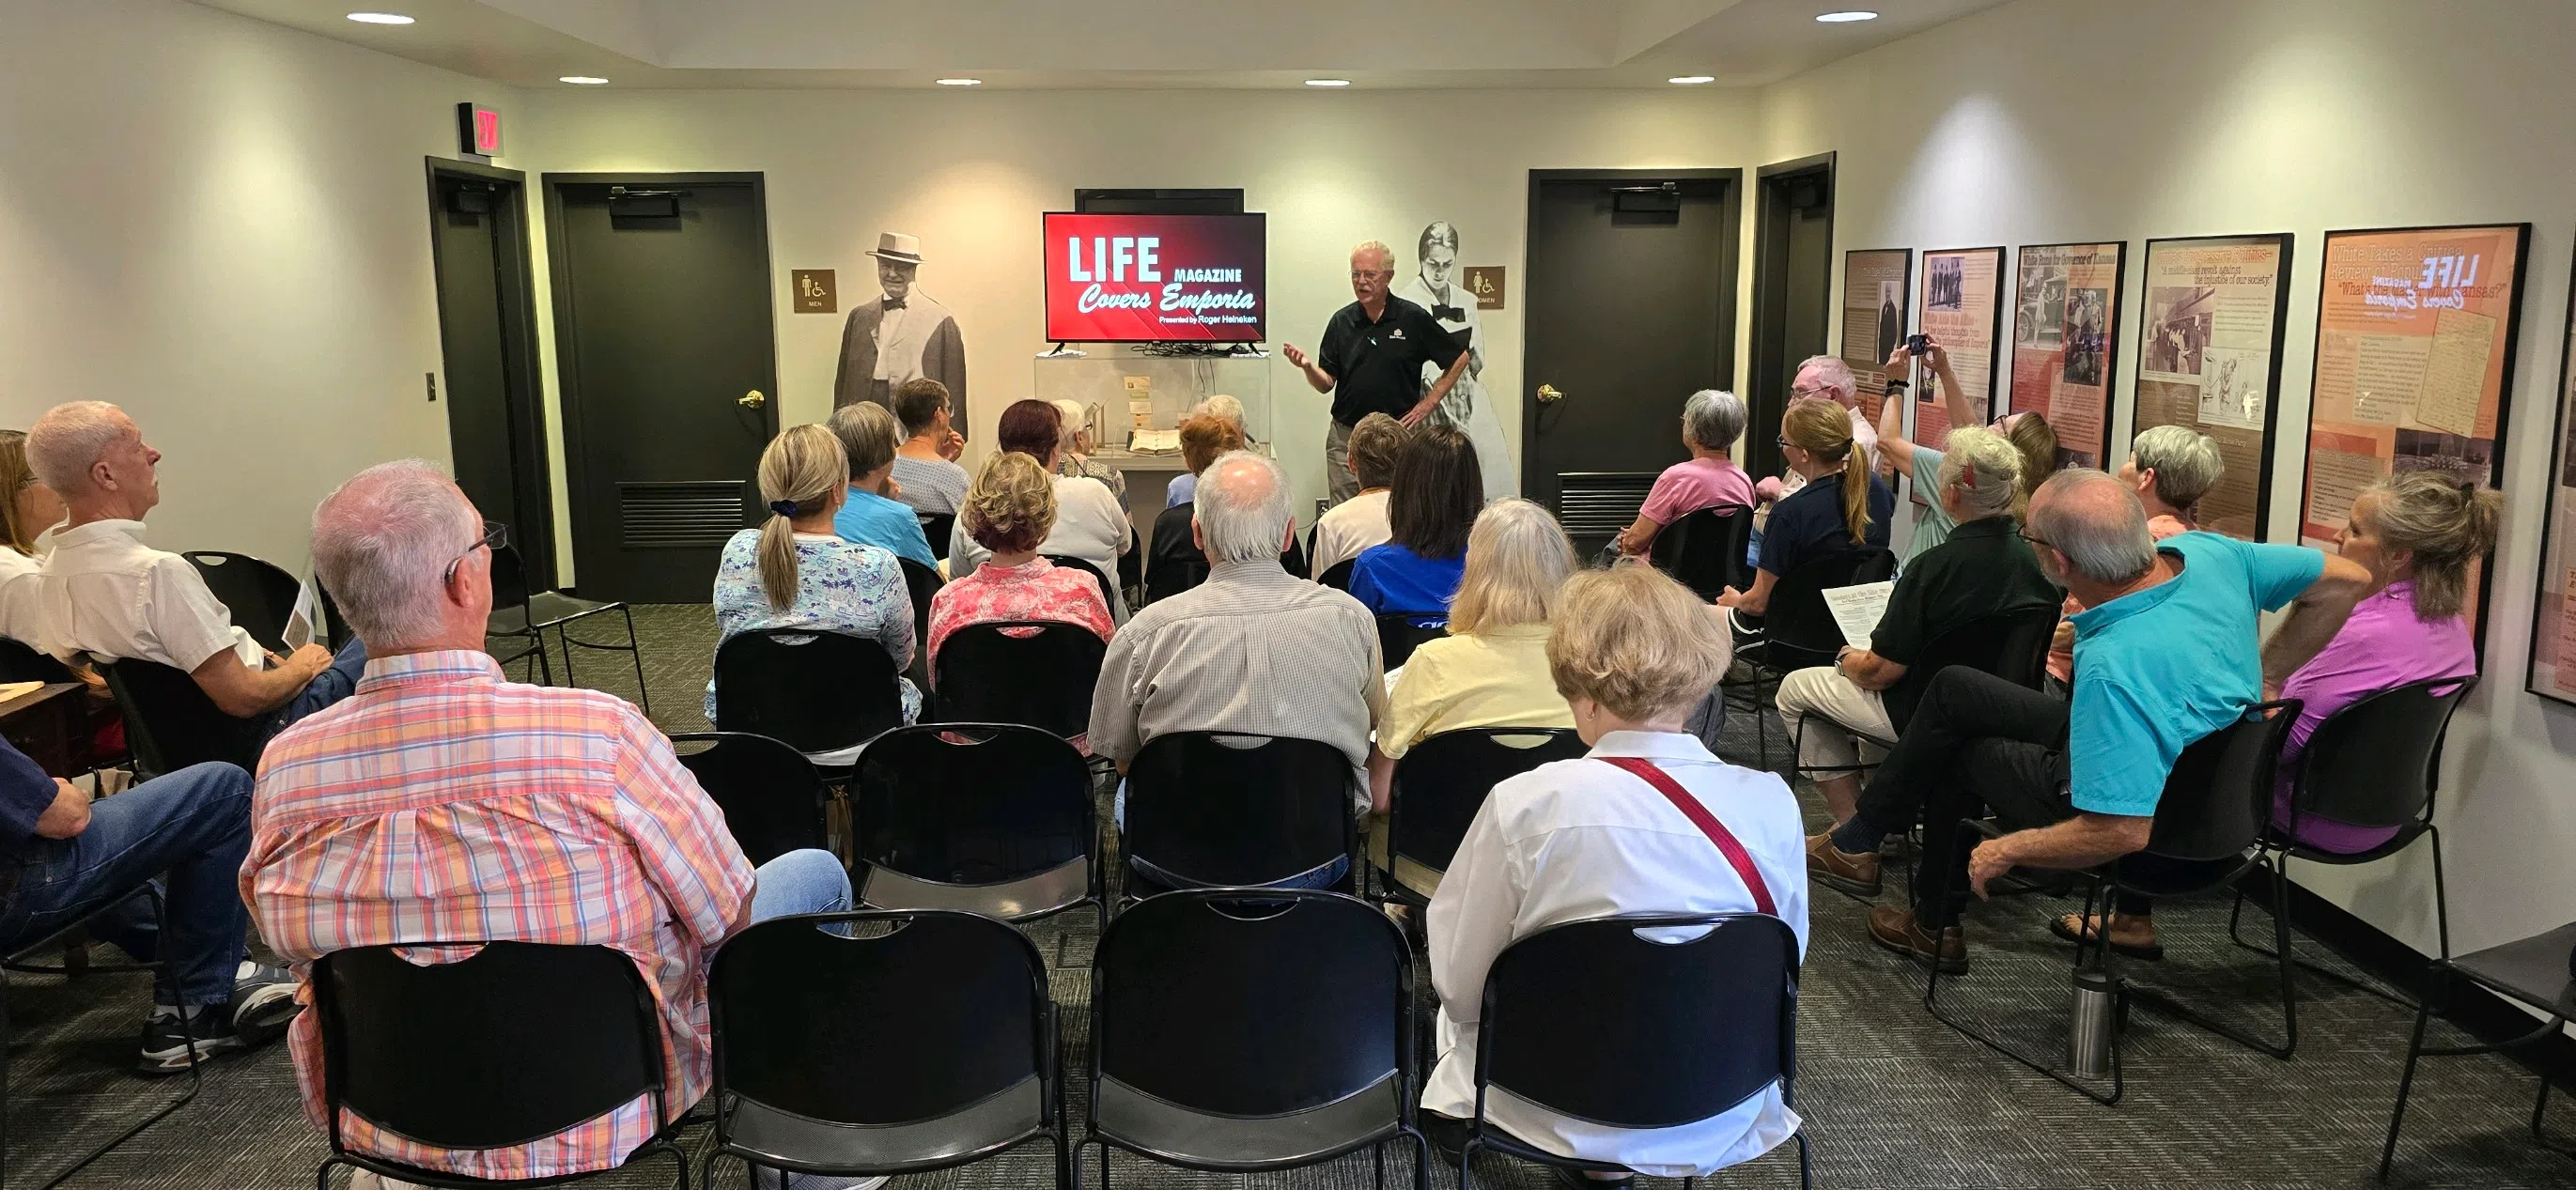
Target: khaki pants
[
  {"x": 1838, "y": 709},
  {"x": 1337, "y": 463}
]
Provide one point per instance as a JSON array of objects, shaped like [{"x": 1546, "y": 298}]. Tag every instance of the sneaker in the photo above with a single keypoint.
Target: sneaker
[
  {"x": 1896, "y": 930},
  {"x": 263, "y": 1003},
  {"x": 165, "y": 1046},
  {"x": 1854, "y": 874}
]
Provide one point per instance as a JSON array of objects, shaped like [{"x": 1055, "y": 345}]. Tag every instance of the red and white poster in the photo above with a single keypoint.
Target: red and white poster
[
  {"x": 2066, "y": 343},
  {"x": 1960, "y": 312},
  {"x": 1154, "y": 278}
]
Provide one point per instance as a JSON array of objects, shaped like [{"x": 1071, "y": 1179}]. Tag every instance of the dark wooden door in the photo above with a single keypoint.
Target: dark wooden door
[
  {"x": 1631, "y": 309},
  {"x": 664, "y": 339},
  {"x": 495, "y": 420},
  {"x": 1793, "y": 280}
]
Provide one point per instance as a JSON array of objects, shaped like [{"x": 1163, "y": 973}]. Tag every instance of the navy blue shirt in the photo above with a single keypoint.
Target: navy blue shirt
[
  {"x": 1390, "y": 578},
  {"x": 25, "y": 792},
  {"x": 1807, "y": 524},
  {"x": 1377, "y": 366}
]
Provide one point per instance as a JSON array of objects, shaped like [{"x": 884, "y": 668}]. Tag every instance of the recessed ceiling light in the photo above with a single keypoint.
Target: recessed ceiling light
[
  {"x": 1328, "y": 82},
  {"x": 1847, "y": 17},
  {"x": 961, "y": 82},
  {"x": 583, "y": 80},
  {"x": 380, "y": 18},
  {"x": 1691, "y": 80}
]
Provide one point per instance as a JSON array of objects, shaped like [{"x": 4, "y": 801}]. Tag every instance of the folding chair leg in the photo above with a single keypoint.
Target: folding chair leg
[
  {"x": 1377, "y": 1156},
  {"x": 1467, "y": 1163},
  {"x": 1806, "y": 1170},
  {"x": 635, "y": 653},
  {"x": 2093, "y": 896},
  {"x": 1421, "y": 1161},
  {"x": 2406, "y": 1084}
]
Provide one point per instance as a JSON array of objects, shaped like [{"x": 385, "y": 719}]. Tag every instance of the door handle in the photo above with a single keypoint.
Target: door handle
[
  {"x": 751, "y": 400},
  {"x": 1547, "y": 394}
]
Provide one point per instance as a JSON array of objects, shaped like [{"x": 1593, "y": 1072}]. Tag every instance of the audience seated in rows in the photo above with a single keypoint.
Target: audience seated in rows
[
  {"x": 2170, "y": 468},
  {"x": 1819, "y": 519},
  {"x": 1218, "y": 408},
  {"x": 2418, "y": 533},
  {"x": 795, "y": 572},
  {"x": 1491, "y": 668},
  {"x": 2167, "y": 654},
  {"x": 868, "y": 515},
  {"x": 442, "y": 802},
  {"x": 1009, "y": 510},
  {"x": 925, "y": 471},
  {"x": 1074, "y": 447},
  {"x": 1983, "y": 569},
  {"x": 2029, "y": 432},
  {"x": 1090, "y": 523},
  {"x": 1438, "y": 491},
  {"x": 1711, "y": 422},
  {"x": 1630, "y": 651},
  {"x": 1252, "y": 650},
  {"x": 103, "y": 592},
  {"x": 1361, "y": 521}
]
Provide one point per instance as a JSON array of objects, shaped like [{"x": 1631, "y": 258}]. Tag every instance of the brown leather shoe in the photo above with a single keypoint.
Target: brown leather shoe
[
  {"x": 1896, "y": 930},
  {"x": 1842, "y": 870}
]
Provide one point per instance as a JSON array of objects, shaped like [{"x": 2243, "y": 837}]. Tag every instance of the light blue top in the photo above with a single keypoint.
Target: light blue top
[
  {"x": 2159, "y": 669},
  {"x": 1184, "y": 490},
  {"x": 840, "y": 587},
  {"x": 1932, "y": 523},
  {"x": 890, "y": 525}
]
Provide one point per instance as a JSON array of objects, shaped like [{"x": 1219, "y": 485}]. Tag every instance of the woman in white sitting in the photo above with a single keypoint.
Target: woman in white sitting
[{"x": 1632, "y": 651}]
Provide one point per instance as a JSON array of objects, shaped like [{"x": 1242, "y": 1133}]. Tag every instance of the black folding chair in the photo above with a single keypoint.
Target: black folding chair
[
  {"x": 1037, "y": 672},
  {"x": 1705, "y": 550},
  {"x": 1398, "y": 636},
  {"x": 2534, "y": 972},
  {"x": 2012, "y": 645},
  {"x": 170, "y": 723},
  {"x": 520, "y": 611},
  {"x": 21, "y": 663},
  {"x": 1242, "y": 1031},
  {"x": 2207, "y": 836},
  {"x": 22, "y": 958},
  {"x": 1338, "y": 575},
  {"x": 989, "y": 818},
  {"x": 1438, "y": 786},
  {"x": 1227, "y": 810},
  {"x": 1108, "y": 590},
  {"x": 1596, "y": 1021},
  {"x": 516, "y": 1043},
  {"x": 855, "y": 1044},
  {"x": 920, "y": 584},
  {"x": 821, "y": 693},
  {"x": 937, "y": 528},
  {"x": 1798, "y": 630},
  {"x": 260, "y": 596},
  {"x": 772, "y": 797},
  {"x": 1177, "y": 563}
]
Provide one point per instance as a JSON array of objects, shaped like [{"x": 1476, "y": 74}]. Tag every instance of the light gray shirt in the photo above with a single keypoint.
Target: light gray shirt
[
  {"x": 933, "y": 487},
  {"x": 1251, "y": 650}
]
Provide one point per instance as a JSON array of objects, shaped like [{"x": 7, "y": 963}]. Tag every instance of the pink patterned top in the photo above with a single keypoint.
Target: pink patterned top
[{"x": 1034, "y": 590}]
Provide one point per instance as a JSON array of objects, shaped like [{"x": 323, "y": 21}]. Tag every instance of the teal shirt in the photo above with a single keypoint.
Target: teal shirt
[
  {"x": 1932, "y": 523},
  {"x": 2158, "y": 669},
  {"x": 870, "y": 519}
]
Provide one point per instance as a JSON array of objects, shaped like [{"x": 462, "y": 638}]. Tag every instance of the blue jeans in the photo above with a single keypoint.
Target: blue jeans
[
  {"x": 327, "y": 687},
  {"x": 194, "y": 825},
  {"x": 805, "y": 881}
]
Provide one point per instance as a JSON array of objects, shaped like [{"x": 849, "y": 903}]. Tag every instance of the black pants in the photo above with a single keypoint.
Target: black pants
[{"x": 1976, "y": 743}]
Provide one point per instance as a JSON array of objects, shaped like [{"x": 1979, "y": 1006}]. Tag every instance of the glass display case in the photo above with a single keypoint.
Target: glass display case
[{"x": 1124, "y": 390}]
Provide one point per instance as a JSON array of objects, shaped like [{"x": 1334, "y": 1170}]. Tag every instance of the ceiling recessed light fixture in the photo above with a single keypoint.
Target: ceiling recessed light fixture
[
  {"x": 961, "y": 82},
  {"x": 1328, "y": 82},
  {"x": 380, "y": 18},
  {"x": 1846, "y": 17},
  {"x": 583, "y": 80},
  {"x": 1691, "y": 80}
]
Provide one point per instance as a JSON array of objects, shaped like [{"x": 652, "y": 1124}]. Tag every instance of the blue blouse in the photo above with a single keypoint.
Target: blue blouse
[
  {"x": 840, "y": 587},
  {"x": 1391, "y": 578}
]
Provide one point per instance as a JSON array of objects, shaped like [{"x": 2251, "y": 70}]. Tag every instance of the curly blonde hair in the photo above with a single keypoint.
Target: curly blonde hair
[
  {"x": 1011, "y": 505},
  {"x": 1634, "y": 641}
]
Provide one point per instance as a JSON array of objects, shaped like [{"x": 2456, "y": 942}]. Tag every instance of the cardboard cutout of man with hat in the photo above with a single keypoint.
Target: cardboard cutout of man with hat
[{"x": 901, "y": 336}]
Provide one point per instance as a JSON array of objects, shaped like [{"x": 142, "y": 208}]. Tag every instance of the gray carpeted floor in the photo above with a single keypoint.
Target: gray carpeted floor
[{"x": 1892, "y": 1097}]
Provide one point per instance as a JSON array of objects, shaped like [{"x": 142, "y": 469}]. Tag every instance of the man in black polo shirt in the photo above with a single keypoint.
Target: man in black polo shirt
[
  {"x": 1984, "y": 569},
  {"x": 1372, "y": 361}
]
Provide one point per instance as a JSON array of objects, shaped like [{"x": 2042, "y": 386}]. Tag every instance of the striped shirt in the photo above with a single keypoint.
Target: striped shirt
[{"x": 440, "y": 802}]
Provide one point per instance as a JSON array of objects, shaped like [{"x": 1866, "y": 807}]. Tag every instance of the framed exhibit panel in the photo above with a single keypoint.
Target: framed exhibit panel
[
  {"x": 2066, "y": 343},
  {"x": 2209, "y": 357},
  {"x": 2416, "y": 330},
  {"x": 1875, "y": 284},
  {"x": 1963, "y": 312},
  {"x": 2553, "y": 613}
]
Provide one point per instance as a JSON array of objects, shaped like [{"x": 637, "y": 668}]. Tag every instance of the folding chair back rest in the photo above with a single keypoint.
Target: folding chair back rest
[
  {"x": 1398, "y": 636},
  {"x": 2376, "y": 762},
  {"x": 1443, "y": 780},
  {"x": 1177, "y": 563},
  {"x": 171, "y": 724},
  {"x": 514, "y": 1044},
  {"x": 917, "y": 1016},
  {"x": 813, "y": 691},
  {"x": 1108, "y": 592},
  {"x": 770, "y": 794},
  {"x": 978, "y": 803},
  {"x": 2012, "y": 645},
  {"x": 259, "y": 595},
  {"x": 509, "y": 578},
  {"x": 1338, "y": 575},
  {"x": 920, "y": 582},
  {"x": 1798, "y": 628},
  {"x": 1037, "y": 672},
  {"x": 2218, "y": 801},
  {"x": 1705, "y": 550},
  {"x": 937, "y": 528},
  {"x": 1593, "y": 1020},
  {"x": 1238, "y": 810},
  {"x": 1249, "y": 1004},
  {"x": 20, "y": 662}
]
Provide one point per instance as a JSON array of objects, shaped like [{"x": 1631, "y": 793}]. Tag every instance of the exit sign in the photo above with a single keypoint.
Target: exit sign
[{"x": 478, "y": 130}]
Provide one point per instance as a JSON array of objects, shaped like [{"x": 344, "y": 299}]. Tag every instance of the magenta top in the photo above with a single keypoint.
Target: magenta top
[
  {"x": 1687, "y": 487},
  {"x": 2381, "y": 646}
]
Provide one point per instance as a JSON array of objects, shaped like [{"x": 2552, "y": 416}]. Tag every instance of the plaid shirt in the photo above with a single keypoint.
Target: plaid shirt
[{"x": 439, "y": 802}]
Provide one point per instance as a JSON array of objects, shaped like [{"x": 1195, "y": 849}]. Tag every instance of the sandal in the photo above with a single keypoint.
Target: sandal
[{"x": 2069, "y": 926}]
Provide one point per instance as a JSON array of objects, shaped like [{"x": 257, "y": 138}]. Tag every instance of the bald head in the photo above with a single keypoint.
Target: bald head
[
  {"x": 1242, "y": 508},
  {"x": 2094, "y": 525},
  {"x": 93, "y": 455},
  {"x": 382, "y": 544}
]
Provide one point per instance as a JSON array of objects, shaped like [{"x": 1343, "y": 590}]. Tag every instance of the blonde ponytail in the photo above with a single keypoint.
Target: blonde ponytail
[
  {"x": 2448, "y": 525},
  {"x": 800, "y": 471},
  {"x": 1823, "y": 429}
]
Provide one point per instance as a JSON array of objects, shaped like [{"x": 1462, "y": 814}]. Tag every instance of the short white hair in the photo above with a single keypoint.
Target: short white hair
[
  {"x": 1989, "y": 463},
  {"x": 1832, "y": 372},
  {"x": 1714, "y": 417},
  {"x": 1220, "y": 405},
  {"x": 2186, "y": 462},
  {"x": 70, "y": 439},
  {"x": 381, "y": 545},
  {"x": 2097, "y": 522},
  {"x": 1365, "y": 247},
  {"x": 1242, "y": 508}
]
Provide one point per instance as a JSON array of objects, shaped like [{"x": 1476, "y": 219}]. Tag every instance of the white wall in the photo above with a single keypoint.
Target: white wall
[
  {"x": 223, "y": 226},
  {"x": 2056, "y": 120}
]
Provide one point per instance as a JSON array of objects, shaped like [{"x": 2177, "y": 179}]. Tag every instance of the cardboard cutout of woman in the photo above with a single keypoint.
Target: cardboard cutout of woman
[{"x": 1438, "y": 288}]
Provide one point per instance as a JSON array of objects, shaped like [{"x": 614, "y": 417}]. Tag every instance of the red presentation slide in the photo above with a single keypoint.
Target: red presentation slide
[{"x": 1154, "y": 278}]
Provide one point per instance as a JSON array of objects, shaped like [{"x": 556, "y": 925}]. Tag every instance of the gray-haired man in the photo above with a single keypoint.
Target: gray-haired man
[{"x": 1371, "y": 361}]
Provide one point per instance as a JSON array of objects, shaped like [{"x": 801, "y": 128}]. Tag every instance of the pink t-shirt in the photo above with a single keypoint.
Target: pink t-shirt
[
  {"x": 2381, "y": 646},
  {"x": 1687, "y": 487}
]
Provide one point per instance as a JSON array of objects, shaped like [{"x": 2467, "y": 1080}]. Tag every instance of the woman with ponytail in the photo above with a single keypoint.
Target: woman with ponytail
[
  {"x": 794, "y": 571},
  {"x": 1820, "y": 518}
]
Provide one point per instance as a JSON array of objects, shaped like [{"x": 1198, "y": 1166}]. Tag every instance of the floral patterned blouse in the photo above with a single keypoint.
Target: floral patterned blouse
[
  {"x": 1034, "y": 590},
  {"x": 840, "y": 587}
]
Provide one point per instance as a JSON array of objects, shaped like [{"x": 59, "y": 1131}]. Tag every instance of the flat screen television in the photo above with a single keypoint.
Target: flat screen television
[{"x": 1155, "y": 278}]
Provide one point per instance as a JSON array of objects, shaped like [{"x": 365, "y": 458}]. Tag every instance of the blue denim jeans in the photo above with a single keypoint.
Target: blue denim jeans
[
  {"x": 327, "y": 687},
  {"x": 805, "y": 881},
  {"x": 194, "y": 825}
]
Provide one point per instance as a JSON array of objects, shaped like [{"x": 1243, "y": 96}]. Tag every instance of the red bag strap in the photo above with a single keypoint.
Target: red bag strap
[{"x": 1736, "y": 856}]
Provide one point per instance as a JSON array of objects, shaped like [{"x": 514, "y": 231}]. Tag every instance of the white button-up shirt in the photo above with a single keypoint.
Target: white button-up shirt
[
  {"x": 102, "y": 591},
  {"x": 1580, "y": 839}
]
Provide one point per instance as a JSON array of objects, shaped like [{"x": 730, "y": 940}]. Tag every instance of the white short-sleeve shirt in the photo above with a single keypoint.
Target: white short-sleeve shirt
[{"x": 104, "y": 592}]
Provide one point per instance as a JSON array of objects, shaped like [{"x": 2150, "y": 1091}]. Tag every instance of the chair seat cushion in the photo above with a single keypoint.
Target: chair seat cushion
[
  {"x": 996, "y": 1123},
  {"x": 1059, "y": 887},
  {"x": 1135, "y": 1120},
  {"x": 549, "y": 608},
  {"x": 2533, "y": 970}
]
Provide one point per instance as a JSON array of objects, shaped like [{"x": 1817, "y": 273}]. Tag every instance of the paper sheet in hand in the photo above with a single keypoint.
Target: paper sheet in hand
[
  {"x": 1857, "y": 609},
  {"x": 299, "y": 621}
]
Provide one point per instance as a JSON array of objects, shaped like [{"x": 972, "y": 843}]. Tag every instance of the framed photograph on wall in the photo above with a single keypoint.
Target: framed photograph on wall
[
  {"x": 2553, "y": 613},
  {"x": 1876, "y": 282},
  {"x": 2416, "y": 331},
  {"x": 2066, "y": 343},
  {"x": 2209, "y": 357},
  {"x": 1962, "y": 309}
]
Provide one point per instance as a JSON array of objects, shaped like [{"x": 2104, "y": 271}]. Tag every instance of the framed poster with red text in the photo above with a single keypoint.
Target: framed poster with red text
[
  {"x": 2553, "y": 622},
  {"x": 1963, "y": 312},
  {"x": 1875, "y": 284},
  {"x": 2066, "y": 343},
  {"x": 2209, "y": 357},
  {"x": 1154, "y": 278}
]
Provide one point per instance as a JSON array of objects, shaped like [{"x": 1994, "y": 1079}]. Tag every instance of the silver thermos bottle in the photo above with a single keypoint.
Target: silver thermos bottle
[{"x": 2089, "y": 1021}]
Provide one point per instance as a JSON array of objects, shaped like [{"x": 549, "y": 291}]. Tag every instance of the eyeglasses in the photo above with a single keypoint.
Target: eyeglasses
[
  {"x": 1780, "y": 440},
  {"x": 1810, "y": 390},
  {"x": 1366, "y": 275},
  {"x": 495, "y": 536},
  {"x": 2034, "y": 540}
]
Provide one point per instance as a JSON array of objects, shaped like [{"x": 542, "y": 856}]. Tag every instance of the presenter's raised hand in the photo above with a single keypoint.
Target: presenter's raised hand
[{"x": 1296, "y": 355}]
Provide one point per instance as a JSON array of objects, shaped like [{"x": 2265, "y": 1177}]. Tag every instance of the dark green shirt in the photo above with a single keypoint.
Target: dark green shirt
[{"x": 1984, "y": 569}]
